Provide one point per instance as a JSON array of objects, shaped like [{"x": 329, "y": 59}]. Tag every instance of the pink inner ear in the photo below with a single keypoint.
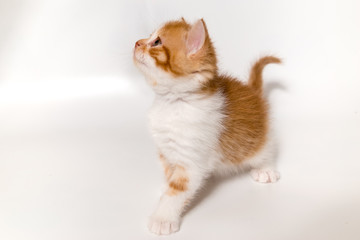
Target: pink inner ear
[{"x": 196, "y": 38}]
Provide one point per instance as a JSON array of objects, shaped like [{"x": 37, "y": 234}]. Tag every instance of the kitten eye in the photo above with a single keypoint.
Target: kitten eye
[{"x": 157, "y": 42}]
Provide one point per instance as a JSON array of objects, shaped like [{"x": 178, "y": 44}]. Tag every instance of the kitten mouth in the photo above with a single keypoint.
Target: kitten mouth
[{"x": 139, "y": 60}]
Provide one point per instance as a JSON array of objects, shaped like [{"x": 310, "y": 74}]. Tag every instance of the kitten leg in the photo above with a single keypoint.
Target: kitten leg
[
  {"x": 262, "y": 165},
  {"x": 182, "y": 185}
]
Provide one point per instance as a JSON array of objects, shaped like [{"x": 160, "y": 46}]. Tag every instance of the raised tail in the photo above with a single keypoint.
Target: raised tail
[{"x": 255, "y": 80}]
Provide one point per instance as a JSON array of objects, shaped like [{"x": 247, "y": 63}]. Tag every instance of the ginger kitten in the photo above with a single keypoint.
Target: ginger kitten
[{"x": 202, "y": 122}]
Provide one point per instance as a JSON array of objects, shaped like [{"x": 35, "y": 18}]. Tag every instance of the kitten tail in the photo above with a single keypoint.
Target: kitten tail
[{"x": 255, "y": 80}]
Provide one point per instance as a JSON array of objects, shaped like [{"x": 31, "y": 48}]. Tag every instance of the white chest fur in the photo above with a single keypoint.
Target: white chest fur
[{"x": 186, "y": 129}]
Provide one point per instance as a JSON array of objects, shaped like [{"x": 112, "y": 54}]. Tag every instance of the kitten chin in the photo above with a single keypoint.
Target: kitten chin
[{"x": 202, "y": 122}]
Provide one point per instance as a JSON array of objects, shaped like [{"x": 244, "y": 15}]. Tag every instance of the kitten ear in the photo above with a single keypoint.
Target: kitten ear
[{"x": 196, "y": 37}]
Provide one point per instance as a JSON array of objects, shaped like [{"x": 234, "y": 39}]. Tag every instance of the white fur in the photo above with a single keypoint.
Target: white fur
[{"x": 186, "y": 128}]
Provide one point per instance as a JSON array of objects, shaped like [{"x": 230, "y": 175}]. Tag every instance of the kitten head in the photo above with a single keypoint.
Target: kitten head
[{"x": 177, "y": 51}]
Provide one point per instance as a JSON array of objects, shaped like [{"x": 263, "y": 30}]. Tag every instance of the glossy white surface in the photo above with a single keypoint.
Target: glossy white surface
[{"x": 77, "y": 160}]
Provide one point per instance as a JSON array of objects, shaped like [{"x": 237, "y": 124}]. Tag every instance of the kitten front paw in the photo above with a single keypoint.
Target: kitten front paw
[
  {"x": 265, "y": 175},
  {"x": 162, "y": 226}
]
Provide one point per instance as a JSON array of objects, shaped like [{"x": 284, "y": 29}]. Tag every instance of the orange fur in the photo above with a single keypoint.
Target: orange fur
[
  {"x": 178, "y": 181},
  {"x": 246, "y": 111},
  {"x": 176, "y": 177},
  {"x": 246, "y": 122}
]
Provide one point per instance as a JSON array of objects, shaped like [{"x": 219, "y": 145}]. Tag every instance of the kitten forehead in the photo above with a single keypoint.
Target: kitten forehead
[{"x": 173, "y": 27}]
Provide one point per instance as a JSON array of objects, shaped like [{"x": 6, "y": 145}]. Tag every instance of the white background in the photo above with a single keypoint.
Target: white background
[{"x": 76, "y": 158}]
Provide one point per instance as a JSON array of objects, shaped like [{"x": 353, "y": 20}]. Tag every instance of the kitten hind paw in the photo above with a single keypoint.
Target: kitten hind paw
[
  {"x": 163, "y": 227},
  {"x": 265, "y": 175}
]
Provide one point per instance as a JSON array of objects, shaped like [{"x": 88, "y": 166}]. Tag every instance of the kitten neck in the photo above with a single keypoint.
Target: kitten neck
[{"x": 181, "y": 86}]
